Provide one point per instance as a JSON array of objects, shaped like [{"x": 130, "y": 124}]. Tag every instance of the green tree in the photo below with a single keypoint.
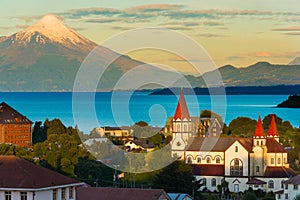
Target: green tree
[
  {"x": 242, "y": 127},
  {"x": 39, "y": 133},
  {"x": 177, "y": 177}
]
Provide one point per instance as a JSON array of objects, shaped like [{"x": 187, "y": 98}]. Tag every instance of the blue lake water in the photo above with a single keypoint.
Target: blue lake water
[{"x": 123, "y": 108}]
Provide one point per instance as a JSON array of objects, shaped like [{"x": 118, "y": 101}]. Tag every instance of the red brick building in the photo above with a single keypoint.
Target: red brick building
[{"x": 14, "y": 127}]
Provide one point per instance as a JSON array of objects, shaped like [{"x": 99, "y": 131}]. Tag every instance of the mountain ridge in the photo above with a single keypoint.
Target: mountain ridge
[{"x": 47, "y": 55}]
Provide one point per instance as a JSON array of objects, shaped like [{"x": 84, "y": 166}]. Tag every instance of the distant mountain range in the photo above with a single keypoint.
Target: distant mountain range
[{"x": 47, "y": 55}]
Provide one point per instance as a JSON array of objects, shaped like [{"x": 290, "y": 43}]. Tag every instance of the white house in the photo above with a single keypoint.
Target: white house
[
  {"x": 23, "y": 180},
  {"x": 291, "y": 188},
  {"x": 258, "y": 162}
]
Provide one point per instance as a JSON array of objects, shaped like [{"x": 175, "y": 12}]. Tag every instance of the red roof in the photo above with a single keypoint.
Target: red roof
[
  {"x": 209, "y": 170},
  {"x": 181, "y": 110},
  {"x": 90, "y": 193},
  {"x": 274, "y": 147},
  {"x": 279, "y": 172},
  {"x": 259, "y": 131},
  {"x": 273, "y": 129},
  {"x": 22, "y": 174}
]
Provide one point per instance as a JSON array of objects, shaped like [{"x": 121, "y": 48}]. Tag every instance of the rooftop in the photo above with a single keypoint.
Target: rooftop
[
  {"x": 22, "y": 174},
  {"x": 8, "y": 115},
  {"x": 92, "y": 193}
]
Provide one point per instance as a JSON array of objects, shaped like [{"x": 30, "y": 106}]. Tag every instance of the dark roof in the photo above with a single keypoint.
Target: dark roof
[
  {"x": 19, "y": 173},
  {"x": 274, "y": 147},
  {"x": 144, "y": 142},
  {"x": 279, "y": 192},
  {"x": 279, "y": 172},
  {"x": 208, "y": 170},
  {"x": 295, "y": 180},
  {"x": 181, "y": 110},
  {"x": 110, "y": 128},
  {"x": 219, "y": 144},
  {"x": 8, "y": 115},
  {"x": 255, "y": 181},
  {"x": 91, "y": 193},
  {"x": 209, "y": 144}
]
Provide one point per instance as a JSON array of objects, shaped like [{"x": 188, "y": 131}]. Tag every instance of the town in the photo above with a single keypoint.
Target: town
[{"x": 201, "y": 161}]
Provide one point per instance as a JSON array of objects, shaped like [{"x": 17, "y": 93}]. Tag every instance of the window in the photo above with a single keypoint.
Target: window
[
  {"x": 236, "y": 167},
  {"x": 7, "y": 195},
  {"x": 236, "y": 149},
  {"x": 284, "y": 160},
  {"x": 71, "y": 192},
  {"x": 282, "y": 184},
  {"x": 279, "y": 161},
  {"x": 213, "y": 182},
  {"x": 261, "y": 143},
  {"x": 218, "y": 160},
  {"x": 189, "y": 160},
  {"x": 185, "y": 128},
  {"x": 257, "y": 143},
  {"x": 198, "y": 160},
  {"x": 63, "y": 194},
  {"x": 295, "y": 187},
  {"x": 286, "y": 186},
  {"x": 257, "y": 169},
  {"x": 286, "y": 196},
  {"x": 272, "y": 161},
  {"x": 279, "y": 196},
  {"x": 204, "y": 181},
  {"x": 271, "y": 184},
  {"x": 178, "y": 127},
  {"x": 208, "y": 160},
  {"x": 23, "y": 195},
  {"x": 54, "y": 195}
]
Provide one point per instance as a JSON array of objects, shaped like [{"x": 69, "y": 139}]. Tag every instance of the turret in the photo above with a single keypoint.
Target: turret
[{"x": 273, "y": 133}]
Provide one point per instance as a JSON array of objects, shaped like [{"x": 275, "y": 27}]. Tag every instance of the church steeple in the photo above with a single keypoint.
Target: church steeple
[
  {"x": 181, "y": 110},
  {"x": 259, "y": 131},
  {"x": 273, "y": 132}
]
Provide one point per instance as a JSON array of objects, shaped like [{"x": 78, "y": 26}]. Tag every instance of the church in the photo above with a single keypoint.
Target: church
[{"x": 260, "y": 162}]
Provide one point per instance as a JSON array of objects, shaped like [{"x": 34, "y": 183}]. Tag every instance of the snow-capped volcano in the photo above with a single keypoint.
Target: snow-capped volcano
[
  {"x": 47, "y": 55},
  {"x": 51, "y": 27}
]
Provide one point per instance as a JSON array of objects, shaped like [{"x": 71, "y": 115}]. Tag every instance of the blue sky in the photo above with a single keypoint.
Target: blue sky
[{"x": 238, "y": 32}]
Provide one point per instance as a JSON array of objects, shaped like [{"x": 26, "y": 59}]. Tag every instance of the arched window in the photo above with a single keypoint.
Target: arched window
[
  {"x": 257, "y": 169},
  {"x": 204, "y": 181},
  {"x": 218, "y": 160},
  {"x": 272, "y": 161},
  {"x": 257, "y": 143},
  {"x": 178, "y": 127},
  {"x": 189, "y": 160},
  {"x": 236, "y": 167},
  {"x": 213, "y": 182},
  {"x": 208, "y": 160},
  {"x": 279, "y": 161},
  {"x": 271, "y": 184},
  {"x": 198, "y": 160}
]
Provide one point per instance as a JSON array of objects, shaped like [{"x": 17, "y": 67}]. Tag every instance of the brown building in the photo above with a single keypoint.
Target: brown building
[{"x": 14, "y": 127}]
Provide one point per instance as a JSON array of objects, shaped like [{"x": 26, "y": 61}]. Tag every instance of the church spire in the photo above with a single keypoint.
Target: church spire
[
  {"x": 181, "y": 110},
  {"x": 259, "y": 131},
  {"x": 273, "y": 129}
]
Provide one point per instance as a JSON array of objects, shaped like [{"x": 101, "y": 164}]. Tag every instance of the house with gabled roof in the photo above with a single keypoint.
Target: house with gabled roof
[
  {"x": 23, "y": 180},
  {"x": 15, "y": 128},
  {"x": 259, "y": 162},
  {"x": 90, "y": 193}
]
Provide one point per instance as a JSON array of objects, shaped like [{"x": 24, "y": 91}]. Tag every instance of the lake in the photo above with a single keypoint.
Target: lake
[{"x": 124, "y": 108}]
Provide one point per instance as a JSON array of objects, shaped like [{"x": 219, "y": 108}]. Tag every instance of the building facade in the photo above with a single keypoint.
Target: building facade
[
  {"x": 14, "y": 127},
  {"x": 259, "y": 162},
  {"x": 23, "y": 180}
]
